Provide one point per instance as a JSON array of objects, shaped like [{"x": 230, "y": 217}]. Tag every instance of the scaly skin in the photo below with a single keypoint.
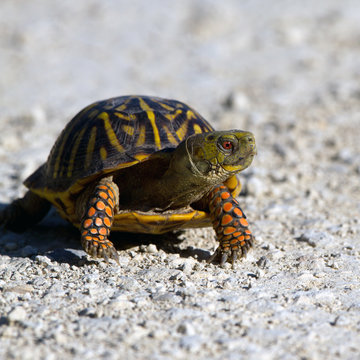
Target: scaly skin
[
  {"x": 97, "y": 220},
  {"x": 230, "y": 225}
]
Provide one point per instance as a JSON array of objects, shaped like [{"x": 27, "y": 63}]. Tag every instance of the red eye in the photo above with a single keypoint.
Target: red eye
[{"x": 227, "y": 145}]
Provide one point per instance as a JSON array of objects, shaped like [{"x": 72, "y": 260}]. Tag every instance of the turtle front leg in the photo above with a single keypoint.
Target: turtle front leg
[
  {"x": 97, "y": 220},
  {"x": 230, "y": 225}
]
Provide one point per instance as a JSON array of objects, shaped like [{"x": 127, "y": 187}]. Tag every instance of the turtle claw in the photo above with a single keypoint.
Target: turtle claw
[
  {"x": 231, "y": 255},
  {"x": 224, "y": 257},
  {"x": 220, "y": 254},
  {"x": 101, "y": 249},
  {"x": 233, "y": 258},
  {"x": 213, "y": 256}
]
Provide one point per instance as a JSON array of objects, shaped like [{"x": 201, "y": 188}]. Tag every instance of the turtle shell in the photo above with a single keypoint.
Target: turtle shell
[
  {"x": 114, "y": 134},
  {"x": 111, "y": 135}
]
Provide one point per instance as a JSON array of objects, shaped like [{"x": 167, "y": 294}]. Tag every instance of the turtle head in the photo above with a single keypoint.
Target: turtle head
[{"x": 220, "y": 154}]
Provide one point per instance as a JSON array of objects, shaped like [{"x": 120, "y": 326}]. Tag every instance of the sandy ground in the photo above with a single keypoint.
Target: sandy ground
[{"x": 290, "y": 73}]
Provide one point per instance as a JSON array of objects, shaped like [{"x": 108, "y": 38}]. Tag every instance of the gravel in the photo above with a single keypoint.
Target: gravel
[{"x": 290, "y": 74}]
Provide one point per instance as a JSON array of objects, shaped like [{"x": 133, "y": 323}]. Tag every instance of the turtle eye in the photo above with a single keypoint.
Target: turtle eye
[{"x": 227, "y": 145}]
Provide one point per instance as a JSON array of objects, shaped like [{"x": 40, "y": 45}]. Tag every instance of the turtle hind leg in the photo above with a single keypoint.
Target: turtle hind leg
[
  {"x": 24, "y": 212},
  {"x": 97, "y": 220},
  {"x": 230, "y": 225}
]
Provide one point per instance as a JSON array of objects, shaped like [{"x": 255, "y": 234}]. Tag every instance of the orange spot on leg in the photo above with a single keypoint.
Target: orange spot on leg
[
  {"x": 91, "y": 212},
  {"x": 98, "y": 222},
  {"x": 87, "y": 223},
  {"x": 238, "y": 212},
  {"x": 100, "y": 205},
  {"x": 111, "y": 194},
  {"x": 229, "y": 230},
  {"x": 225, "y": 195},
  {"x": 107, "y": 222},
  {"x": 103, "y": 195},
  {"x": 227, "y": 206},
  {"x": 226, "y": 219},
  {"x": 111, "y": 203},
  {"x": 108, "y": 211},
  {"x": 103, "y": 231},
  {"x": 244, "y": 222}
]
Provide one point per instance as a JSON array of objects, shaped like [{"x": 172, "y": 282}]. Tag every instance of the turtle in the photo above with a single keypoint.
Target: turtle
[{"x": 141, "y": 164}]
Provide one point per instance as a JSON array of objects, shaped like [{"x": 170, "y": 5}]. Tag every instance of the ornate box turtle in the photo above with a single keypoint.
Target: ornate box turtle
[{"x": 145, "y": 165}]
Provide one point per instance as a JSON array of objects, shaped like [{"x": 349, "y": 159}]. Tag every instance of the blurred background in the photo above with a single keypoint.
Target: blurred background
[{"x": 60, "y": 56}]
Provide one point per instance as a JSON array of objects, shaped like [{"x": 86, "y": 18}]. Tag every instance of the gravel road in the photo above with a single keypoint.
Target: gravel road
[{"x": 290, "y": 73}]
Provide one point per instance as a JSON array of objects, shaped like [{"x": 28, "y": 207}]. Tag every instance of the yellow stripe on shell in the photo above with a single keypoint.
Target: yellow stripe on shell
[
  {"x": 141, "y": 137},
  {"x": 121, "y": 107},
  {"x": 74, "y": 152},
  {"x": 59, "y": 154},
  {"x": 66, "y": 135},
  {"x": 151, "y": 117},
  {"x": 128, "y": 129},
  {"x": 182, "y": 130},
  {"x": 122, "y": 116},
  {"x": 173, "y": 116},
  {"x": 170, "y": 136},
  {"x": 197, "y": 129},
  {"x": 90, "y": 147},
  {"x": 165, "y": 106},
  {"x": 110, "y": 132},
  {"x": 190, "y": 115},
  {"x": 103, "y": 153}
]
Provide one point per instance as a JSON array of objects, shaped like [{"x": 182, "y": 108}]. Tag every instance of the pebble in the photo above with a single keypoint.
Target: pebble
[
  {"x": 186, "y": 328},
  {"x": 313, "y": 237},
  {"x": 17, "y": 314},
  {"x": 43, "y": 260},
  {"x": 191, "y": 343},
  {"x": 20, "y": 289}
]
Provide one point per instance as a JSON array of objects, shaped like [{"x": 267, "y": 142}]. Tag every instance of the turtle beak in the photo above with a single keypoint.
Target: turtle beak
[{"x": 252, "y": 151}]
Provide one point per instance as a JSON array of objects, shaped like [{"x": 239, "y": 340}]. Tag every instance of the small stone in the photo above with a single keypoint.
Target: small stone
[
  {"x": 20, "y": 289},
  {"x": 151, "y": 248},
  {"x": 89, "y": 312},
  {"x": 43, "y": 260},
  {"x": 187, "y": 266},
  {"x": 262, "y": 262},
  {"x": 17, "y": 314},
  {"x": 167, "y": 297},
  {"x": 186, "y": 328},
  {"x": 312, "y": 237},
  {"x": 191, "y": 343}
]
